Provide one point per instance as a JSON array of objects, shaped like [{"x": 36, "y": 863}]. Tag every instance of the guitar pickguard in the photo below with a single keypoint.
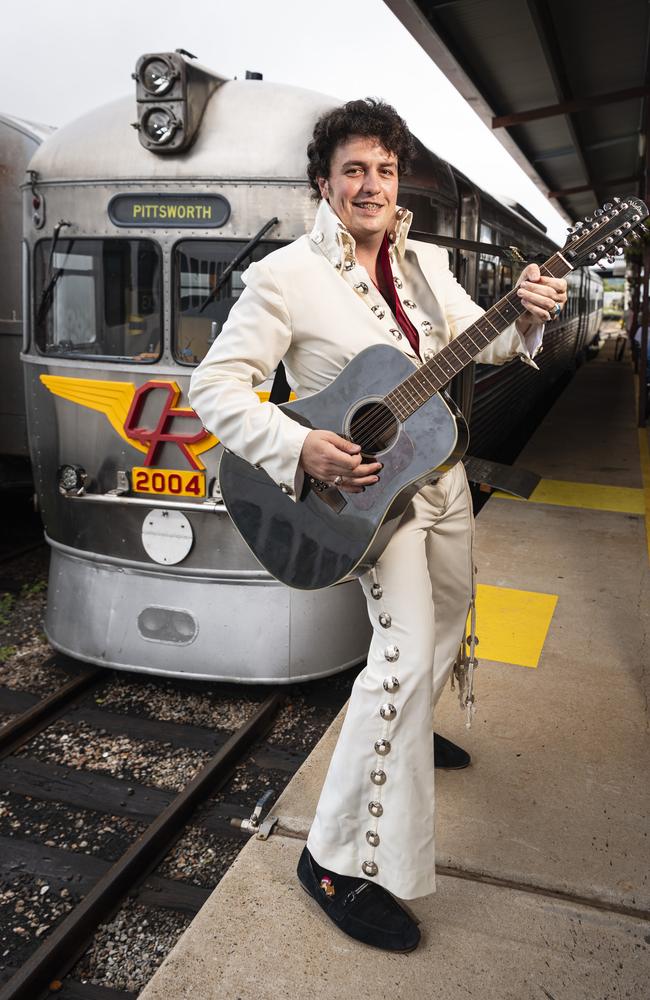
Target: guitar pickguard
[{"x": 395, "y": 459}]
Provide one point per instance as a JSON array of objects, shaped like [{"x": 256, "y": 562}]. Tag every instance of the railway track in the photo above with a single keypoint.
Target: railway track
[{"x": 90, "y": 880}]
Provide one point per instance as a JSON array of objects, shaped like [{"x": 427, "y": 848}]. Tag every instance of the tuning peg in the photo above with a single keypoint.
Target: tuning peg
[
  {"x": 618, "y": 232},
  {"x": 598, "y": 213},
  {"x": 593, "y": 256},
  {"x": 588, "y": 218},
  {"x": 617, "y": 201},
  {"x": 624, "y": 206},
  {"x": 611, "y": 260},
  {"x": 601, "y": 248},
  {"x": 620, "y": 251},
  {"x": 594, "y": 225},
  {"x": 609, "y": 239},
  {"x": 635, "y": 218},
  {"x": 608, "y": 205}
]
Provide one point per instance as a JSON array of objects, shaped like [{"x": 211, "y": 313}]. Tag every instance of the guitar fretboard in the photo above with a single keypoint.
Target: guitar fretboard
[{"x": 436, "y": 373}]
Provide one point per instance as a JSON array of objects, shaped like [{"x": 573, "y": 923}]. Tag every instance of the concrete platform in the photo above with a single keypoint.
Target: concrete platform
[
  {"x": 542, "y": 845},
  {"x": 260, "y": 937}
]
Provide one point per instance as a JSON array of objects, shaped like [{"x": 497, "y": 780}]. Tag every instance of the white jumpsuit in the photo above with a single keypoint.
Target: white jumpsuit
[{"x": 312, "y": 305}]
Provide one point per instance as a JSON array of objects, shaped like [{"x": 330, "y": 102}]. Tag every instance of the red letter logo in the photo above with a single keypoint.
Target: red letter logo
[{"x": 160, "y": 434}]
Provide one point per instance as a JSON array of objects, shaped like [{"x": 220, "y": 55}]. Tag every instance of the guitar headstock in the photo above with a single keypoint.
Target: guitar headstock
[{"x": 606, "y": 233}]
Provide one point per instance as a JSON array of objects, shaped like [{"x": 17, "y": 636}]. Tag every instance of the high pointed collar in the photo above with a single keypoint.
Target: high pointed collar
[{"x": 338, "y": 243}]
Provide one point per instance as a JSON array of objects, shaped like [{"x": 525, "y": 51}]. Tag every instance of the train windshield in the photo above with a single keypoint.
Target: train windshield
[
  {"x": 198, "y": 266},
  {"x": 99, "y": 299}
]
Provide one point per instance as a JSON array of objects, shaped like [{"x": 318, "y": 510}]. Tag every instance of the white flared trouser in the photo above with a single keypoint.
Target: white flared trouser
[{"x": 375, "y": 816}]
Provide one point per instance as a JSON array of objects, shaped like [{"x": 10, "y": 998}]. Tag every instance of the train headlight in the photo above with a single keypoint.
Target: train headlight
[
  {"x": 159, "y": 126},
  {"x": 157, "y": 75},
  {"x": 172, "y": 92},
  {"x": 71, "y": 480}
]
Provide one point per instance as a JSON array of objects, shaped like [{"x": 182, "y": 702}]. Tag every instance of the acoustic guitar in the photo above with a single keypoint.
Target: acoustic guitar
[{"x": 401, "y": 416}]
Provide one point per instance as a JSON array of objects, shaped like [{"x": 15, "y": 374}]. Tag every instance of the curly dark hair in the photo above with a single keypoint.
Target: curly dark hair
[{"x": 370, "y": 118}]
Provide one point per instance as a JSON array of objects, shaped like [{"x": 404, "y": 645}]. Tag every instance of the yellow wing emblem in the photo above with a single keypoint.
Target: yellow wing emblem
[{"x": 113, "y": 399}]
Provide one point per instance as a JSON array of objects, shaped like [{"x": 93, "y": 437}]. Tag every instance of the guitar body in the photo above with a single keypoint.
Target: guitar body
[{"x": 326, "y": 536}]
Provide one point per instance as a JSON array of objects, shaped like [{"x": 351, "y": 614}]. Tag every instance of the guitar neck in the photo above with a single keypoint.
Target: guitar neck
[{"x": 432, "y": 376}]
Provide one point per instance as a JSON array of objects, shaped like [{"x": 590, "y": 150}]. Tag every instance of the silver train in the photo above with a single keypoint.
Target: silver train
[
  {"x": 18, "y": 142},
  {"x": 132, "y": 262}
]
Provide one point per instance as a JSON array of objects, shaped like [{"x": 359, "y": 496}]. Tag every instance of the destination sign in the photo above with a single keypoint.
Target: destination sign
[{"x": 169, "y": 211}]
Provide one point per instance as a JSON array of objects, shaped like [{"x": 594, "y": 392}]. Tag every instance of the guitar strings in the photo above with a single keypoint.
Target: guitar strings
[{"x": 381, "y": 418}]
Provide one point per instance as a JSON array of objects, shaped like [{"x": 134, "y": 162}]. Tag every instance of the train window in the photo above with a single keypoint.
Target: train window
[
  {"x": 198, "y": 315},
  {"x": 486, "y": 283},
  {"x": 430, "y": 215},
  {"x": 99, "y": 299}
]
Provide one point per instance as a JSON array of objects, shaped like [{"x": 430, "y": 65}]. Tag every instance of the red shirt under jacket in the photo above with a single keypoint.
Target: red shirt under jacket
[{"x": 393, "y": 299}]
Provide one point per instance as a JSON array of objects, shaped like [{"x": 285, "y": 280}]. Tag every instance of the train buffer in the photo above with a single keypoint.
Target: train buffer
[{"x": 542, "y": 844}]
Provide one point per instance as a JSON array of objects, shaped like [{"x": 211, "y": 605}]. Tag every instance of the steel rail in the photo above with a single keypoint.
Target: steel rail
[
  {"x": 21, "y": 729},
  {"x": 62, "y": 949}
]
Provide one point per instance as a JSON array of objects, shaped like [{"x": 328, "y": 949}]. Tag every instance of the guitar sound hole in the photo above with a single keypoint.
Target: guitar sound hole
[{"x": 374, "y": 427}]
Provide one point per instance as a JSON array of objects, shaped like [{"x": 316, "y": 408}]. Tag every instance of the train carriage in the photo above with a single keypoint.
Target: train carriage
[
  {"x": 131, "y": 271},
  {"x": 18, "y": 141}
]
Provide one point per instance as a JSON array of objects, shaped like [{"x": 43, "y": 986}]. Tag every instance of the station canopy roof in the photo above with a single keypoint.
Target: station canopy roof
[{"x": 565, "y": 85}]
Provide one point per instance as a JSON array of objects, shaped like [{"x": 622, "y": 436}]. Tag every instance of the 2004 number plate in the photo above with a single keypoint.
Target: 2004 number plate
[{"x": 170, "y": 482}]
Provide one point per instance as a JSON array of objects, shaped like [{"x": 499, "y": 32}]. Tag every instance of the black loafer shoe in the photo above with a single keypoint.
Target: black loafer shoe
[
  {"x": 446, "y": 754},
  {"x": 362, "y": 910}
]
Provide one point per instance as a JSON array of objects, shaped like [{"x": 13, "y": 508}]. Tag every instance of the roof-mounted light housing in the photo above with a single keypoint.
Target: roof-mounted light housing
[
  {"x": 157, "y": 75},
  {"x": 171, "y": 92}
]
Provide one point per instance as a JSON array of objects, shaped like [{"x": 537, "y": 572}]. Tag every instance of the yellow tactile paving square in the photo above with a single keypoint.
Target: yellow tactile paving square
[
  {"x": 592, "y": 496},
  {"x": 512, "y": 624}
]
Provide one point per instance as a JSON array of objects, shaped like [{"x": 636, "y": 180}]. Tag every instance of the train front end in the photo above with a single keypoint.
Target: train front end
[{"x": 134, "y": 257}]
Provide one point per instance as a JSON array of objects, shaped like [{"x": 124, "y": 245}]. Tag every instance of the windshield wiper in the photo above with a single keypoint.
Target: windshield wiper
[
  {"x": 54, "y": 275},
  {"x": 236, "y": 261}
]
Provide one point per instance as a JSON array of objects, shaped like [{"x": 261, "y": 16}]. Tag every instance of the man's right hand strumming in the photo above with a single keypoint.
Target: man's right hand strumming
[{"x": 332, "y": 459}]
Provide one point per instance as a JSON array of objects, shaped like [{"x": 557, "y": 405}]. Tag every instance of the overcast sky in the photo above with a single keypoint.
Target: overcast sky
[{"x": 61, "y": 58}]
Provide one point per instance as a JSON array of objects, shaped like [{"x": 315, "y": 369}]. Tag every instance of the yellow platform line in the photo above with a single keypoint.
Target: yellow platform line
[
  {"x": 591, "y": 496},
  {"x": 512, "y": 625},
  {"x": 644, "y": 455}
]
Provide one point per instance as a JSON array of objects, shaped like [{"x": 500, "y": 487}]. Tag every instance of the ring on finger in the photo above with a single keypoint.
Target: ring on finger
[
  {"x": 337, "y": 480},
  {"x": 557, "y": 310}
]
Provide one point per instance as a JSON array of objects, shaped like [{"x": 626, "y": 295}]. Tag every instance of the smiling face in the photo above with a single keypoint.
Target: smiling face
[{"x": 362, "y": 188}]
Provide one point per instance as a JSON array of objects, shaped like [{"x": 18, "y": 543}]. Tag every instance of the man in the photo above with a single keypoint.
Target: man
[{"x": 353, "y": 282}]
